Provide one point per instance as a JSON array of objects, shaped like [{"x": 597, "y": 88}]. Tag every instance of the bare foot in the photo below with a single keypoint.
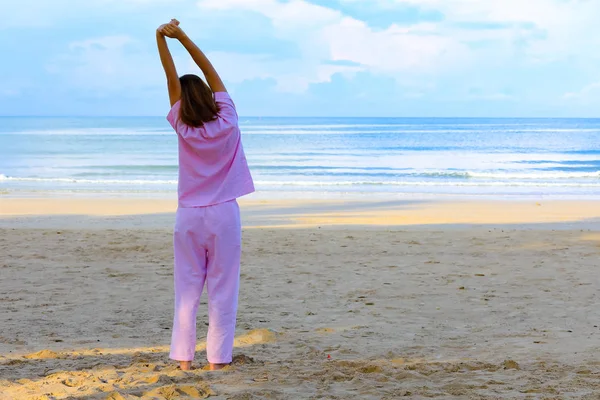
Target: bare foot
[
  {"x": 185, "y": 365},
  {"x": 216, "y": 367}
]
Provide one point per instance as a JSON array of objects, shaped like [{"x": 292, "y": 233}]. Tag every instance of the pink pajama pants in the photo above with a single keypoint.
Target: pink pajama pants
[{"x": 207, "y": 244}]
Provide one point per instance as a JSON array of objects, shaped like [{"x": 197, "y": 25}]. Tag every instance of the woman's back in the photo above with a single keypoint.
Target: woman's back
[{"x": 212, "y": 165}]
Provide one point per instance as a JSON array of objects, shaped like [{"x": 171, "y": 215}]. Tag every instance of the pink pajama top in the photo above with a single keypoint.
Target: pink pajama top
[{"x": 212, "y": 165}]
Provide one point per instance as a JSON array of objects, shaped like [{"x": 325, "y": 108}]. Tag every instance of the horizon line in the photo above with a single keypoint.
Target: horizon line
[{"x": 289, "y": 117}]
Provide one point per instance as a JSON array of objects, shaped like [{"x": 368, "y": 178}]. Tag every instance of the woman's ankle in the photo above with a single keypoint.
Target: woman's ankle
[
  {"x": 185, "y": 365},
  {"x": 216, "y": 367}
]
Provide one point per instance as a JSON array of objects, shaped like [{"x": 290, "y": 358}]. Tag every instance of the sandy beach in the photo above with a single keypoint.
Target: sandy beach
[{"x": 339, "y": 300}]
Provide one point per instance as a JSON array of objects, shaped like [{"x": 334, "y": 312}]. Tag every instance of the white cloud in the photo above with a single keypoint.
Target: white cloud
[
  {"x": 25, "y": 13},
  {"x": 290, "y": 75},
  {"x": 46, "y": 13},
  {"x": 415, "y": 49},
  {"x": 486, "y": 41},
  {"x": 566, "y": 26},
  {"x": 324, "y": 35},
  {"x": 592, "y": 90},
  {"x": 106, "y": 64},
  {"x": 516, "y": 32}
]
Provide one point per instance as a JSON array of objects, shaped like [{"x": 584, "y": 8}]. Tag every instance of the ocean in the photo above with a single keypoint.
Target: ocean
[{"x": 312, "y": 157}]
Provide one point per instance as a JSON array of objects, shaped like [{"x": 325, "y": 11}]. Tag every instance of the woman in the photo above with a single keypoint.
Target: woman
[{"x": 213, "y": 173}]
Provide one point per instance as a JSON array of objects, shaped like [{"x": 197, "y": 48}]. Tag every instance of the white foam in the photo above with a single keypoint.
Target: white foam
[
  {"x": 90, "y": 181},
  {"x": 425, "y": 183},
  {"x": 93, "y": 132}
]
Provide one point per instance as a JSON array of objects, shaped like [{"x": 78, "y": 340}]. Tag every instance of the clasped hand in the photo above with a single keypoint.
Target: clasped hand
[{"x": 171, "y": 30}]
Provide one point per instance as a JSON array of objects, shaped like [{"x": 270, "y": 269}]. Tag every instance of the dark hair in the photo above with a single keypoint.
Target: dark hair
[{"x": 197, "y": 101}]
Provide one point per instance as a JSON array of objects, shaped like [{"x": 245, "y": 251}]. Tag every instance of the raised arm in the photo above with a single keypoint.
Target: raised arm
[
  {"x": 169, "y": 66},
  {"x": 210, "y": 73}
]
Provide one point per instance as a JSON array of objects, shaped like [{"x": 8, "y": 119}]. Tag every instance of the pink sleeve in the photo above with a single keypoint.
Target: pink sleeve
[
  {"x": 227, "y": 109},
  {"x": 173, "y": 115}
]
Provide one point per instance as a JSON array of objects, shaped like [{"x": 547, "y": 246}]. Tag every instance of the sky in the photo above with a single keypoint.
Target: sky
[{"x": 389, "y": 58}]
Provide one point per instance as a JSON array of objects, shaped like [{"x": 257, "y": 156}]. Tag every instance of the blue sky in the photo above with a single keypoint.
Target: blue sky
[{"x": 472, "y": 58}]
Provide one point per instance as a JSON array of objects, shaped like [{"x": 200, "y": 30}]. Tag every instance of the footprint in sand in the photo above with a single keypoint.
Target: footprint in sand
[
  {"x": 242, "y": 359},
  {"x": 144, "y": 367},
  {"x": 257, "y": 336},
  {"x": 42, "y": 355},
  {"x": 72, "y": 382},
  {"x": 180, "y": 392}
]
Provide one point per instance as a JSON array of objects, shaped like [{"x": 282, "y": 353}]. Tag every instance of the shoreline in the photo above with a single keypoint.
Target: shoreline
[
  {"x": 311, "y": 213},
  {"x": 309, "y": 195}
]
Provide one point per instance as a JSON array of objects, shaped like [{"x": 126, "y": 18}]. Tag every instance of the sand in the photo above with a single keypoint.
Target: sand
[{"x": 339, "y": 300}]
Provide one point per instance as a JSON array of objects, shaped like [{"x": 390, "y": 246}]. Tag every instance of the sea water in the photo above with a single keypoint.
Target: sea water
[{"x": 308, "y": 157}]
